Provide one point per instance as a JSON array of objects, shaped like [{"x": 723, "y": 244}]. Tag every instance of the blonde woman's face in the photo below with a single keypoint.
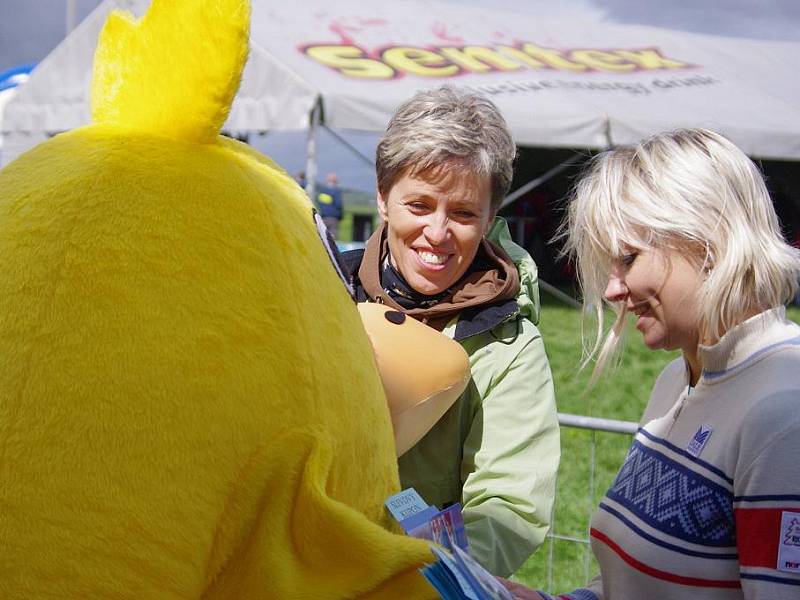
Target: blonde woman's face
[
  {"x": 661, "y": 289},
  {"x": 435, "y": 222}
]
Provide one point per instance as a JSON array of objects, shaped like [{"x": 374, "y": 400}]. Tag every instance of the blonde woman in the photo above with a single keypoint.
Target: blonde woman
[{"x": 680, "y": 232}]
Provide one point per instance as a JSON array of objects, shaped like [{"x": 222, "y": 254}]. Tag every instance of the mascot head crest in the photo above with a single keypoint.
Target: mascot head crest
[{"x": 152, "y": 76}]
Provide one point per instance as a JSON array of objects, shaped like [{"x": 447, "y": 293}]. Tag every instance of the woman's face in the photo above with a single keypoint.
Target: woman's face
[
  {"x": 435, "y": 221},
  {"x": 661, "y": 289}
]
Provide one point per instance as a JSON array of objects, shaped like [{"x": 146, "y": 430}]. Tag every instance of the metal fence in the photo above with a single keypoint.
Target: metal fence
[{"x": 593, "y": 425}]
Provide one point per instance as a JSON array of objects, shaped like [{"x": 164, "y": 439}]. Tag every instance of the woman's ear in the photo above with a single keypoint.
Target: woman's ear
[
  {"x": 489, "y": 223},
  {"x": 382, "y": 208}
]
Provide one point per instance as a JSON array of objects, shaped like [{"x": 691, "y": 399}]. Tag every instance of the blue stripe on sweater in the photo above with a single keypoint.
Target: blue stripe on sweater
[
  {"x": 673, "y": 499},
  {"x": 663, "y": 544},
  {"x": 686, "y": 455},
  {"x": 771, "y": 578},
  {"x": 772, "y": 498},
  {"x": 582, "y": 594}
]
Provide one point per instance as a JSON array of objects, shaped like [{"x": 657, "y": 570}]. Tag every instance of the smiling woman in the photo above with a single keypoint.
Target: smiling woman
[{"x": 443, "y": 167}]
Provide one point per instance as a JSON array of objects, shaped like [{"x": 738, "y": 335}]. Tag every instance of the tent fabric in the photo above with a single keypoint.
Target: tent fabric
[{"x": 558, "y": 83}]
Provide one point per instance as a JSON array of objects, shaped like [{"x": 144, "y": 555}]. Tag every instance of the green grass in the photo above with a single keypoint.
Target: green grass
[{"x": 621, "y": 394}]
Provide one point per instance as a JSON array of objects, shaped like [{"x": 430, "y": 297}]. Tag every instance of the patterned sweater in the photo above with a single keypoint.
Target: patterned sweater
[{"x": 707, "y": 502}]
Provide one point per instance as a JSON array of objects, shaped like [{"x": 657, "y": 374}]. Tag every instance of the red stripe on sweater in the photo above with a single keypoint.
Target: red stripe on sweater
[
  {"x": 657, "y": 573},
  {"x": 758, "y": 532}
]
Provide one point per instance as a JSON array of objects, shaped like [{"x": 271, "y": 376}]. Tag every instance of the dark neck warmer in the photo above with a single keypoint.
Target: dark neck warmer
[{"x": 395, "y": 285}]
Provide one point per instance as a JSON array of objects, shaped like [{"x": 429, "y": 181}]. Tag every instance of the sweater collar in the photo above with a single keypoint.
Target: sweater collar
[{"x": 748, "y": 341}]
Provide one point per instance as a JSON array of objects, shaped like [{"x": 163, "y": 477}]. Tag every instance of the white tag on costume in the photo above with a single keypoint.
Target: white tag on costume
[
  {"x": 789, "y": 543},
  {"x": 699, "y": 441}
]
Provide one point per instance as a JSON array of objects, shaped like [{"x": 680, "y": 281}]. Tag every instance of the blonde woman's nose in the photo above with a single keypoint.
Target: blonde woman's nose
[{"x": 616, "y": 290}]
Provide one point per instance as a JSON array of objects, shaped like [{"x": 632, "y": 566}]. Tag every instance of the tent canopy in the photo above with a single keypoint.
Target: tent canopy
[{"x": 559, "y": 84}]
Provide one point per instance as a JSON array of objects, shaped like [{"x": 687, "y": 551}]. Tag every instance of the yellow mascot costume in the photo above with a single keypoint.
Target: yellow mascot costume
[{"x": 189, "y": 406}]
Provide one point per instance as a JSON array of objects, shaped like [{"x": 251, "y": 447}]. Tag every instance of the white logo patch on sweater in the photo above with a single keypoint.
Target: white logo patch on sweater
[
  {"x": 699, "y": 441},
  {"x": 789, "y": 543}
]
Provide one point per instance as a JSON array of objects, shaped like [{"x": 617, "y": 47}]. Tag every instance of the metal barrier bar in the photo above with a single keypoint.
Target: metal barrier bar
[
  {"x": 598, "y": 424},
  {"x": 592, "y": 424}
]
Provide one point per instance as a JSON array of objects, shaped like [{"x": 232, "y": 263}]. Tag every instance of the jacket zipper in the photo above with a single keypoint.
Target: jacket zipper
[{"x": 676, "y": 414}]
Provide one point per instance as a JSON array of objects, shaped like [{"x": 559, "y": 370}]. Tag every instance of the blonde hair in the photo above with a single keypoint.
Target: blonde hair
[
  {"x": 447, "y": 124},
  {"x": 689, "y": 190}
]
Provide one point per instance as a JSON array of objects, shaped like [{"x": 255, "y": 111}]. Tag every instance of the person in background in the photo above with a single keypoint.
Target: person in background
[
  {"x": 680, "y": 232},
  {"x": 329, "y": 203},
  {"x": 444, "y": 165}
]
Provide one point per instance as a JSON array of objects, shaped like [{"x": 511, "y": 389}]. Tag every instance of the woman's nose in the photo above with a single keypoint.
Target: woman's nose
[
  {"x": 616, "y": 290},
  {"x": 436, "y": 231}
]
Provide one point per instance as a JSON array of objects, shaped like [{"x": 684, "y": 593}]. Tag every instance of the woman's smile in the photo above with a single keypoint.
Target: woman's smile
[
  {"x": 432, "y": 260},
  {"x": 435, "y": 222}
]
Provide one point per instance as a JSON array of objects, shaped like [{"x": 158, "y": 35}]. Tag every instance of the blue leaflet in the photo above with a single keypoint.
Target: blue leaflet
[{"x": 455, "y": 575}]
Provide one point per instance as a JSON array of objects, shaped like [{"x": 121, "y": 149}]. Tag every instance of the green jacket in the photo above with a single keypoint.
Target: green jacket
[{"x": 497, "y": 449}]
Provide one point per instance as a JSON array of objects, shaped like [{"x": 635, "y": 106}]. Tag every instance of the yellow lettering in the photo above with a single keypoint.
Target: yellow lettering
[
  {"x": 350, "y": 61},
  {"x": 650, "y": 59},
  {"x": 353, "y": 61},
  {"x": 418, "y": 61},
  {"x": 520, "y": 56},
  {"x": 552, "y": 58},
  {"x": 602, "y": 61},
  {"x": 479, "y": 59}
]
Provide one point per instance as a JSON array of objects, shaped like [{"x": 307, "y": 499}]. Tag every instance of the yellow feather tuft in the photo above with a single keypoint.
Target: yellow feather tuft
[{"x": 175, "y": 71}]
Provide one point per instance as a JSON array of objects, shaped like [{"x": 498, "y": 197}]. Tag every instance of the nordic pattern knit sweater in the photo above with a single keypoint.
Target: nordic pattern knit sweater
[{"x": 707, "y": 503}]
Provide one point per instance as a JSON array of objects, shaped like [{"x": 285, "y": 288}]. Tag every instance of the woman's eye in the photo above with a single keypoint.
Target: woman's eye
[
  {"x": 627, "y": 259},
  {"x": 465, "y": 214}
]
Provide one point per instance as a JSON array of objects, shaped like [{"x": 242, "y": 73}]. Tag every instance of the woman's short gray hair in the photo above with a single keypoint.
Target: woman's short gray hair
[
  {"x": 443, "y": 125},
  {"x": 689, "y": 190}
]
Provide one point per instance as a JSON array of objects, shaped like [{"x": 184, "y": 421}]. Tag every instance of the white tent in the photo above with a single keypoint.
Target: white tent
[
  {"x": 5, "y": 97},
  {"x": 9, "y": 80},
  {"x": 564, "y": 83}
]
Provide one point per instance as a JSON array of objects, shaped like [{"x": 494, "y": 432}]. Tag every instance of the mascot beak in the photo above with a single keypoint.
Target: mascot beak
[{"x": 423, "y": 371}]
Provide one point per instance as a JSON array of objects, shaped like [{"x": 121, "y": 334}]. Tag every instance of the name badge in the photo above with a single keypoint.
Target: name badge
[{"x": 789, "y": 543}]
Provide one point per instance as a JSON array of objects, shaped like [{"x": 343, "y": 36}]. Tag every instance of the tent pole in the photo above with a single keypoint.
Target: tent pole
[
  {"x": 311, "y": 151},
  {"x": 609, "y": 141},
  {"x": 559, "y": 295},
  {"x": 534, "y": 183},
  {"x": 367, "y": 160}
]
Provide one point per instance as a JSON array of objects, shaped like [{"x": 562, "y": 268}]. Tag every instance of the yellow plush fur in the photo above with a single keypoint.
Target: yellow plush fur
[{"x": 189, "y": 406}]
